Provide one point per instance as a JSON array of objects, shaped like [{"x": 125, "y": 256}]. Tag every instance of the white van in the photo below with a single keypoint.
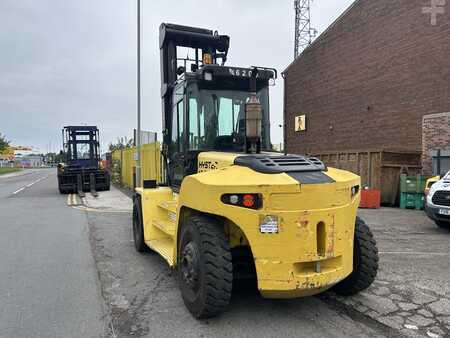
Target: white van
[{"x": 437, "y": 204}]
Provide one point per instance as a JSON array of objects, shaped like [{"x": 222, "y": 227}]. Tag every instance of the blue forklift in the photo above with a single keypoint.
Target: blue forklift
[{"x": 82, "y": 170}]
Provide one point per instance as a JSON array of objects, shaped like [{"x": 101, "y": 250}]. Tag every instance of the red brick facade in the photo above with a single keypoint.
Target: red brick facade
[
  {"x": 367, "y": 82},
  {"x": 435, "y": 136}
]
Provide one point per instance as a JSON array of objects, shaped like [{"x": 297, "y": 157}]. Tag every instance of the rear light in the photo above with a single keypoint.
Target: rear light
[
  {"x": 354, "y": 190},
  {"x": 249, "y": 201}
]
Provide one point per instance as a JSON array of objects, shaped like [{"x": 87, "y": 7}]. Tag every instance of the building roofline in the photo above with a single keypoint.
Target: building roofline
[{"x": 322, "y": 35}]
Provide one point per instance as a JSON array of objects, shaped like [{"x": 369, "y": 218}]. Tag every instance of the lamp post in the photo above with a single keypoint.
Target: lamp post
[{"x": 138, "y": 131}]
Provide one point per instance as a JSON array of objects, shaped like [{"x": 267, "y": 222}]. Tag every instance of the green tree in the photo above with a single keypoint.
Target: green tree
[
  {"x": 4, "y": 143},
  {"x": 122, "y": 143}
]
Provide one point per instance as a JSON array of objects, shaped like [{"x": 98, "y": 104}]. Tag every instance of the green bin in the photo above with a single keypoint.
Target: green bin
[
  {"x": 420, "y": 201},
  {"x": 412, "y": 184},
  {"x": 411, "y": 200}
]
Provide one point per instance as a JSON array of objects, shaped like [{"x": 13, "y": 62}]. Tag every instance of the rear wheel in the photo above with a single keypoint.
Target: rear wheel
[
  {"x": 138, "y": 228},
  {"x": 442, "y": 224},
  {"x": 365, "y": 262},
  {"x": 108, "y": 182},
  {"x": 204, "y": 267}
]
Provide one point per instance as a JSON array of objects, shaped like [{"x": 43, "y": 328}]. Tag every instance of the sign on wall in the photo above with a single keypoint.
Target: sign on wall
[{"x": 300, "y": 123}]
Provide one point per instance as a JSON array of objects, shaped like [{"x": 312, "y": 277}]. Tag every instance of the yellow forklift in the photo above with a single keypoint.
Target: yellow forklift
[{"x": 230, "y": 208}]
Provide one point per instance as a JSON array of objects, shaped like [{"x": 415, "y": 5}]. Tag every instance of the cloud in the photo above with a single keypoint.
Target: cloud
[{"x": 74, "y": 62}]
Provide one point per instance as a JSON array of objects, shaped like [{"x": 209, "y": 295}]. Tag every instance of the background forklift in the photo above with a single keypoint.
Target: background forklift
[
  {"x": 82, "y": 170},
  {"x": 229, "y": 208}
]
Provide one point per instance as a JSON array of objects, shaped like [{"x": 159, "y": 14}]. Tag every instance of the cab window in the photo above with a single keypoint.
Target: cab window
[{"x": 177, "y": 144}]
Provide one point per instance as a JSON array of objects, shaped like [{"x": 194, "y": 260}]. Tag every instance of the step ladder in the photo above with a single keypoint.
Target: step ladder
[{"x": 167, "y": 225}]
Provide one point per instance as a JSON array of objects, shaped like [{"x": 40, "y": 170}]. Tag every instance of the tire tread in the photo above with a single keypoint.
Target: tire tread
[
  {"x": 218, "y": 269},
  {"x": 366, "y": 268}
]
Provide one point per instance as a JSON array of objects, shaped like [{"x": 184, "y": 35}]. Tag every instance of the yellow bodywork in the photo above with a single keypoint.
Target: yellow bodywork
[
  {"x": 313, "y": 249},
  {"x": 430, "y": 182}
]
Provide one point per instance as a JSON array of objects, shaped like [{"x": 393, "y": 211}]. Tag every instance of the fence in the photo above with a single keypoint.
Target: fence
[
  {"x": 6, "y": 164},
  {"x": 123, "y": 166},
  {"x": 378, "y": 169}
]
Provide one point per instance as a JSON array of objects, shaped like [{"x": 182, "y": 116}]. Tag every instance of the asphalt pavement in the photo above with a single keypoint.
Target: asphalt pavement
[
  {"x": 68, "y": 268},
  {"x": 145, "y": 301},
  {"x": 48, "y": 279}
]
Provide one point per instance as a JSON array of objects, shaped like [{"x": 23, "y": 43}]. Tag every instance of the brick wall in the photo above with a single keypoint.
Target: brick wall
[
  {"x": 367, "y": 82},
  {"x": 435, "y": 136}
]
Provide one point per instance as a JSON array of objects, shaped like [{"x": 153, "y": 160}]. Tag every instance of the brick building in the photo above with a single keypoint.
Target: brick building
[
  {"x": 368, "y": 81},
  {"x": 435, "y": 136}
]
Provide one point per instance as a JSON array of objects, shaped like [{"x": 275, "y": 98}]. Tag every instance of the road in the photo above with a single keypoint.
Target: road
[
  {"x": 48, "y": 278},
  {"x": 59, "y": 266},
  {"x": 72, "y": 271}
]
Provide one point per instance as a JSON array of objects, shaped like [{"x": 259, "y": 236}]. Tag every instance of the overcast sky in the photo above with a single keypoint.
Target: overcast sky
[{"x": 66, "y": 62}]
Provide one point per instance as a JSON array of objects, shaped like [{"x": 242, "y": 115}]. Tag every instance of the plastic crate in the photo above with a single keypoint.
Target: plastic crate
[
  {"x": 420, "y": 201},
  {"x": 412, "y": 200},
  {"x": 412, "y": 184},
  {"x": 370, "y": 199}
]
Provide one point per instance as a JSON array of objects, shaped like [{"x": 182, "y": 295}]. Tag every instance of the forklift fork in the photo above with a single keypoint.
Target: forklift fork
[
  {"x": 80, "y": 185},
  {"x": 92, "y": 185}
]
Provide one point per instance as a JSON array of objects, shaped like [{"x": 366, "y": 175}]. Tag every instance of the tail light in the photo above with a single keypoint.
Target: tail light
[{"x": 249, "y": 201}]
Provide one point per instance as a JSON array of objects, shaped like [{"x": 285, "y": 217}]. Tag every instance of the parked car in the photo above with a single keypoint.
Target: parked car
[{"x": 437, "y": 204}]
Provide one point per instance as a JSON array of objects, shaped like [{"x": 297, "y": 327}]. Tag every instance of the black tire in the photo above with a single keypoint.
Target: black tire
[
  {"x": 365, "y": 262},
  {"x": 107, "y": 186},
  {"x": 442, "y": 224},
  {"x": 138, "y": 227},
  {"x": 63, "y": 191},
  {"x": 205, "y": 268}
]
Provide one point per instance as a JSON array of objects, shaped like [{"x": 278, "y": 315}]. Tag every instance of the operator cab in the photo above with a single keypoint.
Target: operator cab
[
  {"x": 81, "y": 144},
  {"x": 212, "y": 107}
]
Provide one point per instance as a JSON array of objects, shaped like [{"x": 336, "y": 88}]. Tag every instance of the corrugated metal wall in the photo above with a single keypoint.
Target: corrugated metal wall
[{"x": 125, "y": 164}]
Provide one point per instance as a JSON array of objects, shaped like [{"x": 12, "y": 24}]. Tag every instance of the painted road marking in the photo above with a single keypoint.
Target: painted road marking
[
  {"x": 29, "y": 185},
  {"x": 19, "y": 190},
  {"x": 73, "y": 200}
]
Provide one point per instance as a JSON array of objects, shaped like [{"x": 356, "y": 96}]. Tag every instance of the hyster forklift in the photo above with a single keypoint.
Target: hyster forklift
[
  {"x": 82, "y": 170},
  {"x": 229, "y": 207}
]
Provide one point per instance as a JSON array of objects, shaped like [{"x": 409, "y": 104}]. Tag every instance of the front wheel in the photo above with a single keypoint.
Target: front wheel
[
  {"x": 365, "y": 262},
  {"x": 205, "y": 268}
]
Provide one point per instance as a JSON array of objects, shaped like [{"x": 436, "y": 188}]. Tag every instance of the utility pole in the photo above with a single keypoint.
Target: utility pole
[{"x": 138, "y": 132}]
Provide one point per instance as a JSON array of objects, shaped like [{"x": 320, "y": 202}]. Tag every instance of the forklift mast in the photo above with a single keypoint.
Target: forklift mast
[
  {"x": 212, "y": 46},
  {"x": 75, "y": 138}
]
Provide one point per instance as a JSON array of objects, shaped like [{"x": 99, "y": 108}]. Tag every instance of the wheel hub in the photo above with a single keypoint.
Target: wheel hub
[{"x": 189, "y": 266}]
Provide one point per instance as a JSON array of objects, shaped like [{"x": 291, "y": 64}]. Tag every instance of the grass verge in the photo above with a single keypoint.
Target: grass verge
[{"x": 8, "y": 170}]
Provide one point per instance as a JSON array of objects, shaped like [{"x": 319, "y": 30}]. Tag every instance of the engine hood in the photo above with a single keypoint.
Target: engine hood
[{"x": 303, "y": 169}]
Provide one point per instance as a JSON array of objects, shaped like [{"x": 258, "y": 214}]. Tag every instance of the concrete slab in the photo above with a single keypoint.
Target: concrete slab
[
  {"x": 412, "y": 281},
  {"x": 109, "y": 201}
]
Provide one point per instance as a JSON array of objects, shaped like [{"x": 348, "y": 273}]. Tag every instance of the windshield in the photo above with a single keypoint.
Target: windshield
[
  {"x": 83, "y": 150},
  {"x": 217, "y": 119}
]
